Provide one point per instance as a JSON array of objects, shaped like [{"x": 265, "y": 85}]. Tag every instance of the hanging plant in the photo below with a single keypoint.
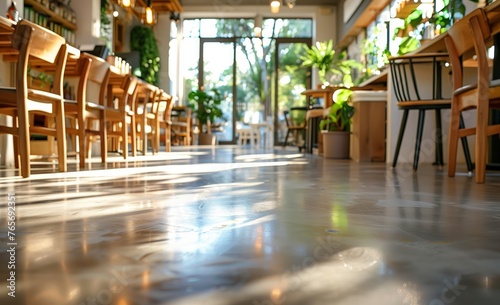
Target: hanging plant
[{"x": 142, "y": 39}]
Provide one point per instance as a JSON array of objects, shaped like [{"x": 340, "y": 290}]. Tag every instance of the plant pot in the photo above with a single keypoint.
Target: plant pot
[
  {"x": 336, "y": 144},
  {"x": 207, "y": 139}
]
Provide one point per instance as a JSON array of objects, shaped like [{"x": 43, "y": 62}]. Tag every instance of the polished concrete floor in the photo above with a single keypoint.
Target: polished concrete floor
[{"x": 238, "y": 226}]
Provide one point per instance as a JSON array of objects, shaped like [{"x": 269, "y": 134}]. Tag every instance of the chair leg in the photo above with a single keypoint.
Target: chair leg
[
  {"x": 304, "y": 145},
  {"x": 286, "y": 137},
  {"x": 156, "y": 137},
  {"x": 61, "y": 137},
  {"x": 81, "y": 141},
  {"x": 104, "y": 138},
  {"x": 133, "y": 135},
  {"x": 400, "y": 137},
  {"x": 420, "y": 131},
  {"x": 453, "y": 141},
  {"x": 24, "y": 141},
  {"x": 144, "y": 136},
  {"x": 88, "y": 146},
  {"x": 168, "y": 141},
  {"x": 481, "y": 145},
  {"x": 465, "y": 146},
  {"x": 125, "y": 138},
  {"x": 16, "y": 152},
  {"x": 439, "y": 139}
]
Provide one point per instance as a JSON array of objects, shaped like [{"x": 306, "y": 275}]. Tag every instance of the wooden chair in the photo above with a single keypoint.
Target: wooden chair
[
  {"x": 412, "y": 76},
  {"x": 120, "y": 114},
  {"x": 182, "y": 125},
  {"x": 166, "y": 103},
  {"x": 470, "y": 34},
  {"x": 146, "y": 112},
  {"x": 89, "y": 106},
  {"x": 50, "y": 52},
  {"x": 292, "y": 127}
]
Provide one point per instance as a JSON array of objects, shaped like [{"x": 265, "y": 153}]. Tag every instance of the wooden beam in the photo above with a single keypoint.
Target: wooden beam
[{"x": 364, "y": 20}]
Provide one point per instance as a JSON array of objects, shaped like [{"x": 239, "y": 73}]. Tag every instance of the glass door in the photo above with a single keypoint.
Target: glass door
[
  {"x": 291, "y": 79},
  {"x": 217, "y": 70},
  {"x": 238, "y": 68}
]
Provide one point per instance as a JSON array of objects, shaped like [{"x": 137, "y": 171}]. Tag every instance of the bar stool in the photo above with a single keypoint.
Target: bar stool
[{"x": 408, "y": 75}]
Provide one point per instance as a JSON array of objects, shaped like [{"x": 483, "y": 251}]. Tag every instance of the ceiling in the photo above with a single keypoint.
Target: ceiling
[
  {"x": 164, "y": 6},
  {"x": 260, "y": 2}
]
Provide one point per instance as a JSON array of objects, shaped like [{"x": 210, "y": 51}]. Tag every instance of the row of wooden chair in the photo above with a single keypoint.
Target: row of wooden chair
[{"x": 108, "y": 104}]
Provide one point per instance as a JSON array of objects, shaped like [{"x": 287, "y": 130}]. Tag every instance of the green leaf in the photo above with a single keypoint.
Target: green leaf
[{"x": 340, "y": 114}]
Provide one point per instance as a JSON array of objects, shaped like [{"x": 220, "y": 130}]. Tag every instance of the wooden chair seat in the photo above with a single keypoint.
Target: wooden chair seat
[
  {"x": 427, "y": 104},
  {"x": 493, "y": 88}
]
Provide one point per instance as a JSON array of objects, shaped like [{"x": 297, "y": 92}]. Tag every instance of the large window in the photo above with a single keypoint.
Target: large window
[{"x": 247, "y": 75}]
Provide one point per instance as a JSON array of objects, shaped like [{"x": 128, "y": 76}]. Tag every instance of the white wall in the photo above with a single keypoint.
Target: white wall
[
  {"x": 88, "y": 21},
  {"x": 162, "y": 33}
]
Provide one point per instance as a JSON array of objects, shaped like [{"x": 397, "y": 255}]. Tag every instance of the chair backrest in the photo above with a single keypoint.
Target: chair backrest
[
  {"x": 126, "y": 98},
  {"x": 98, "y": 78},
  {"x": 165, "y": 105},
  {"x": 288, "y": 120},
  {"x": 182, "y": 113},
  {"x": 34, "y": 41},
  {"x": 412, "y": 76},
  {"x": 465, "y": 37},
  {"x": 168, "y": 111},
  {"x": 295, "y": 117}
]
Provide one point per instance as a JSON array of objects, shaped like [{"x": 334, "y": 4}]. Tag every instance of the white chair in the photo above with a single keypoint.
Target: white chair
[{"x": 247, "y": 134}]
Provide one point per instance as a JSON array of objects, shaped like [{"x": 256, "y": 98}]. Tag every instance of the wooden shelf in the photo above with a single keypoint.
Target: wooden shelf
[
  {"x": 52, "y": 15},
  {"x": 364, "y": 20},
  {"x": 407, "y": 8}
]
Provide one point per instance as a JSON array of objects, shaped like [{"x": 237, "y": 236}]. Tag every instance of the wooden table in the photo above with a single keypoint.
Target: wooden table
[{"x": 325, "y": 93}]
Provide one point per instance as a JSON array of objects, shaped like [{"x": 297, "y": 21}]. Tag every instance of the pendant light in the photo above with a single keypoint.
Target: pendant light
[
  {"x": 275, "y": 6},
  {"x": 257, "y": 26},
  {"x": 127, "y": 3},
  {"x": 149, "y": 16}
]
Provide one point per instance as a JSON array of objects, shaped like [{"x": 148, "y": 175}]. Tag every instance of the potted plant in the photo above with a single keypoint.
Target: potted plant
[
  {"x": 336, "y": 126},
  {"x": 206, "y": 108},
  {"x": 329, "y": 64}
]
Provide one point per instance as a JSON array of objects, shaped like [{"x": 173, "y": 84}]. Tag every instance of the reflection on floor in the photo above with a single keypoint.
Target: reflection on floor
[{"x": 237, "y": 226}]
